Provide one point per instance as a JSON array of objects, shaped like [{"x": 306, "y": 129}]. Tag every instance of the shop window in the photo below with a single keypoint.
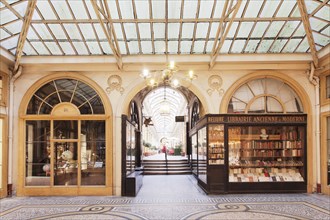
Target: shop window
[
  {"x": 1, "y": 149},
  {"x": 265, "y": 95},
  {"x": 68, "y": 152},
  {"x": 328, "y": 146},
  {"x": 194, "y": 114},
  {"x": 328, "y": 87}
]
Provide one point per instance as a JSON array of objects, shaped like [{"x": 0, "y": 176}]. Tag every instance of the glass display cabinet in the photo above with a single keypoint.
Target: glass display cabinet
[{"x": 252, "y": 153}]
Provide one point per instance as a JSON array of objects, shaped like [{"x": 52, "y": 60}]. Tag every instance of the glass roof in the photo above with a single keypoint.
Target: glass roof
[
  {"x": 164, "y": 124},
  {"x": 72, "y": 27}
]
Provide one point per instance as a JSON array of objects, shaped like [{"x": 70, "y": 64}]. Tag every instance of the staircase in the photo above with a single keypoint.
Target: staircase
[{"x": 174, "y": 167}]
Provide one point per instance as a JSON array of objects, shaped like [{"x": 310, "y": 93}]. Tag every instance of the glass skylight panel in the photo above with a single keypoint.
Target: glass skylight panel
[
  {"x": 245, "y": 29},
  {"x": 10, "y": 42},
  {"x": 106, "y": 47},
  {"x": 36, "y": 16},
  {"x": 78, "y": 9},
  {"x": 6, "y": 16},
  {"x": 187, "y": 30},
  {"x": 205, "y": 9},
  {"x": 201, "y": 30},
  {"x": 54, "y": 49},
  {"x": 58, "y": 31},
  {"x": 133, "y": 47},
  {"x": 289, "y": 28},
  {"x": 81, "y": 48},
  {"x": 253, "y": 9},
  {"x": 324, "y": 13},
  {"x": 13, "y": 51},
  {"x": 286, "y": 8},
  {"x": 142, "y": 9},
  {"x": 214, "y": 29},
  {"x": 45, "y": 10},
  {"x": 264, "y": 46},
  {"x": 87, "y": 31},
  {"x": 173, "y": 47},
  {"x": 241, "y": 9},
  {"x": 113, "y": 9},
  {"x": 3, "y": 34},
  {"x": 40, "y": 48},
  {"x": 173, "y": 30},
  {"x": 122, "y": 47},
  {"x": 269, "y": 8},
  {"x": 100, "y": 32},
  {"x": 15, "y": 27},
  {"x": 1, "y": 5},
  {"x": 317, "y": 24},
  {"x": 21, "y": 8},
  {"x": 259, "y": 29},
  {"x": 67, "y": 48},
  {"x": 174, "y": 9},
  {"x": 126, "y": 9},
  {"x": 32, "y": 35},
  {"x": 43, "y": 32},
  {"x": 159, "y": 47},
  {"x": 232, "y": 29},
  {"x": 146, "y": 47},
  {"x": 158, "y": 9},
  {"x": 118, "y": 31},
  {"x": 199, "y": 47},
  {"x": 185, "y": 47},
  {"x": 238, "y": 46},
  {"x": 130, "y": 30},
  {"x": 320, "y": 39},
  {"x": 90, "y": 9},
  {"x": 28, "y": 50},
  {"x": 251, "y": 46},
  {"x": 72, "y": 31},
  {"x": 94, "y": 48},
  {"x": 218, "y": 9},
  {"x": 277, "y": 46},
  {"x": 225, "y": 47},
  {"x": 209, "y": 47},
  {"x": 274, "y": 28},
  {"x": 190, "y": 8},
  {"x": 311, "y": 6},
  {"x": 326, "y": 31},
  {"x": 291, "y": 46},
  {"x": 303, "y": 47},
  {"x": 159, "y": 30},
  {"x": 144, "y": 29},
  {"x": 300, "y": 32},
  {"x": 62, "y": 9}
]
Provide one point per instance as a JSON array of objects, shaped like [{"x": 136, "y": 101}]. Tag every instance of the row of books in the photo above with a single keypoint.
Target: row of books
[
  {"x": 266, "y": 163},
  {"x": 272, "y": 153},
  {"x": 216, "y": 156},
  {"x": 219, "y": 161},
  {"x": 216, "y": 150},
  {"x": 274, "y": 178},
  {"x": 265, "y": 144},
  {"x": 264, "y": 171}
]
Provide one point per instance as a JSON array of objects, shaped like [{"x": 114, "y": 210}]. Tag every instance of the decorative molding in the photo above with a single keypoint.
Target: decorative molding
[
  {"x": 115, "y": 83},
  {"x": 215, "y": 83}
]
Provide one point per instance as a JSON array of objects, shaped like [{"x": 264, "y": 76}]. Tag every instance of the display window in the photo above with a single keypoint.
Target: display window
[{"x": 65, "y": 136}]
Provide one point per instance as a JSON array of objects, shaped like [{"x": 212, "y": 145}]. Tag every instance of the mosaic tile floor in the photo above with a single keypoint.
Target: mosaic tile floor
[{"x": 174, "y": 197}]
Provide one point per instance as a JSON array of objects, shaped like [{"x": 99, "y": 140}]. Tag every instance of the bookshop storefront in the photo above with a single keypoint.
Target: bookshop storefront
[{"x": 259, "y": 145}]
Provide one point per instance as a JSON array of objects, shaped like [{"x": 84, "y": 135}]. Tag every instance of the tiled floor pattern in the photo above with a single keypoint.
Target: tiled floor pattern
[{"x": 170, "y": 197}]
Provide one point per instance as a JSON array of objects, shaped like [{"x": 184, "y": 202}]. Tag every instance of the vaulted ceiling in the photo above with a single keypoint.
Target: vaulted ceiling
[{"x": 120, "y": 28}]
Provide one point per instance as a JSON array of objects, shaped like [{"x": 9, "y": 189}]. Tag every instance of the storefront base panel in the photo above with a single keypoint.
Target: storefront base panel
[
  {"x": 66, "y": 191},
  {"x": 268, "y": 187}
]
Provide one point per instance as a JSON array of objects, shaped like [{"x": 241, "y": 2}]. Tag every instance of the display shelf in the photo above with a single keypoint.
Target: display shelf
[{"x": 216, "y": 145}]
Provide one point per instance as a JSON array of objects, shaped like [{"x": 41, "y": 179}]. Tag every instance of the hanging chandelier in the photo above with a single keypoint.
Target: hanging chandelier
[{"x": 166, "y": 76}]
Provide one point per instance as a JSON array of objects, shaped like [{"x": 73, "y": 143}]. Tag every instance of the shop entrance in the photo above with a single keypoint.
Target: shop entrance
[{"x": 164, "y": 144}]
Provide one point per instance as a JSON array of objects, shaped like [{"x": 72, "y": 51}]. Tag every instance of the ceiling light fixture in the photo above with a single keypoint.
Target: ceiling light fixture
[{"x": 166, "y": 76}]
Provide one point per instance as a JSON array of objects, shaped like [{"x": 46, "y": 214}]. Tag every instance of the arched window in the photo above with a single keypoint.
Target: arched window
[
  {"x": 65, "y": 136},
  {"x": 65, "y": 91},
  {"x": 265, "y": 95}
]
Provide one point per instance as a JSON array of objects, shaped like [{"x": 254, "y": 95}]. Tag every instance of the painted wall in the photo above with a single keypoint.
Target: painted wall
[{"x": 132, "y": 84}]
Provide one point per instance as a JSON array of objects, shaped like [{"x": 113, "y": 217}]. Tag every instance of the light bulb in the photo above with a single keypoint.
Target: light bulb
[
  {"x": 172, "y": 64},
  {"x": 191, "y": 74},
  {"x": 145, "y": 73}
]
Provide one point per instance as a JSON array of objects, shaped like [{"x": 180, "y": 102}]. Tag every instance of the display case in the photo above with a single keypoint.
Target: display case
[{"x": 252, "y": 153}]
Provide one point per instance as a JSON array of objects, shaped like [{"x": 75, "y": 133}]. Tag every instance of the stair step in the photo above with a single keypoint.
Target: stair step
[{"x": 172, "y": 167}]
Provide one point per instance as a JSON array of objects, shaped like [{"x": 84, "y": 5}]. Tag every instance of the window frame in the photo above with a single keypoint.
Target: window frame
[{"x": 323, "y": 89}]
